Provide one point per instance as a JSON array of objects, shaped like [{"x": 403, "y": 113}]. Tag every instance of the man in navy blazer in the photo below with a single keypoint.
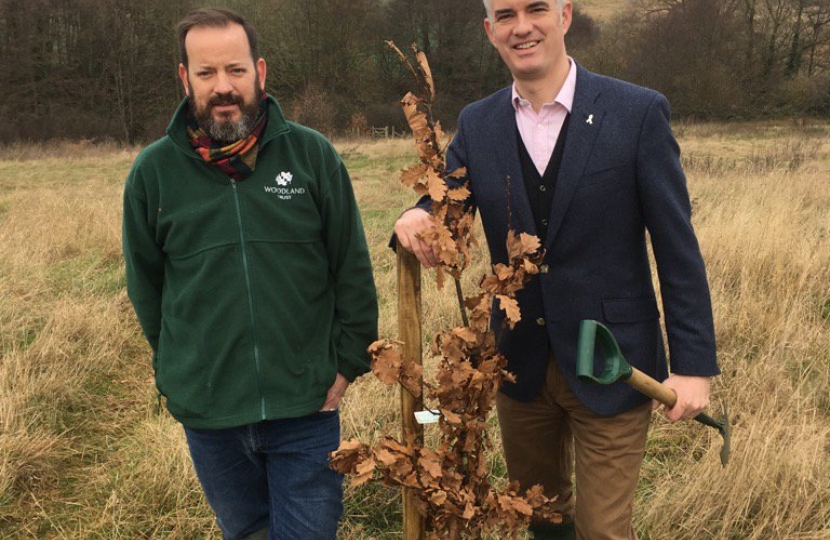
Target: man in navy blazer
[{"x": 592, "y": 165}]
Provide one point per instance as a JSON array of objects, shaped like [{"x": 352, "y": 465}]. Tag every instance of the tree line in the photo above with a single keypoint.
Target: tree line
[{"x": 106, "y": 69}]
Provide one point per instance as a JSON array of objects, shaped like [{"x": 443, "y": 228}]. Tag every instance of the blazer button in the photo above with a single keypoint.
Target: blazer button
[
  {"x": 543, "y": 269},
  {"x": 540, "y": 321},
  {"x": 542, "y": 188}
]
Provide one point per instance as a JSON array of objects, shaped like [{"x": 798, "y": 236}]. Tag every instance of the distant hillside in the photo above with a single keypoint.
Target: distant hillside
[{"x": 601, "y": 10}]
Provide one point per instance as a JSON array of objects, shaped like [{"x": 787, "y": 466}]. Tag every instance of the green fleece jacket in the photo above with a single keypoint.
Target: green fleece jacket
[{"x": 252, "y": 294}]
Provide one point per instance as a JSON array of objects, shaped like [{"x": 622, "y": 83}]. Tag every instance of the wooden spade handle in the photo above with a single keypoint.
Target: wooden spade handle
[{"x": 652, "y": 388}]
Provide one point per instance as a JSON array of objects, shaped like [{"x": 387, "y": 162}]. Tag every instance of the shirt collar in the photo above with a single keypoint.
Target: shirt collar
[{"x": 565, "y": 96}]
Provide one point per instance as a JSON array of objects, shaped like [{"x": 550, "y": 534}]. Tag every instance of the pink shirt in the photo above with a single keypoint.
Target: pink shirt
[{"x": 539, "y": 131}]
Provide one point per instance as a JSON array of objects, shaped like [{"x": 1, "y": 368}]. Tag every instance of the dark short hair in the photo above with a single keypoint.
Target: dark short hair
[{"x": 215, "y": 18}]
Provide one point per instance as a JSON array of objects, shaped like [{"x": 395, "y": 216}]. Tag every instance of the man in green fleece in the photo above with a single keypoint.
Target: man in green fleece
[{"x": 249, "y": 271}]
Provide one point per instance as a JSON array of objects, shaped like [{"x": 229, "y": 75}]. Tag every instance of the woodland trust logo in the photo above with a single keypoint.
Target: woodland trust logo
[
  {"x": 283, "y": 189},
  {"x": 284, "y": 178}
]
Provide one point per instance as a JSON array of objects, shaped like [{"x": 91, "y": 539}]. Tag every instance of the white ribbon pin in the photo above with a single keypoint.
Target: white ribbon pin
[{"x": 590, "y": 119}]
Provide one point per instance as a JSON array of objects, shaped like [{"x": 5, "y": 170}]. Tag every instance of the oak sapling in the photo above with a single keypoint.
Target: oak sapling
[{"x": 455, "y": 494}]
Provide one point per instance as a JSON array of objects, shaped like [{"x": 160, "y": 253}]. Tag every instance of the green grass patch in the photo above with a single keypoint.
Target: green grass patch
[
  {"x": 824, "y": 309},
  {"x": 372, "y": 511},
  {"x": 22, "y": 337},
  {"x": 26, "y": 336},
  {"x": 92, "y": 273}
]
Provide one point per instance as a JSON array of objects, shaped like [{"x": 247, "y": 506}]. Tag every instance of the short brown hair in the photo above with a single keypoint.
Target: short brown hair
[{"x": 215, "y": 18}]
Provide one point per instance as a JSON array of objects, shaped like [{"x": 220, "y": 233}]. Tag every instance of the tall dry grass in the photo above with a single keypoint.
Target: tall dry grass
[
  {"x": 763, "y": 221},
  {"x": 84, "y": 454}
]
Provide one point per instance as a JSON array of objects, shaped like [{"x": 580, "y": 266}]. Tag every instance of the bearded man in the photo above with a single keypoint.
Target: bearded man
[{"x": 249, "y": 272}]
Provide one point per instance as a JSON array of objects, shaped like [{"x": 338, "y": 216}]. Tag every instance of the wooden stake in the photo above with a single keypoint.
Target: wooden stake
[{"x": 409, "y": 330}]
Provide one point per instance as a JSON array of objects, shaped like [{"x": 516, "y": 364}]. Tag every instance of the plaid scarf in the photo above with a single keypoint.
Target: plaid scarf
[{"x": 236, "y": 159}]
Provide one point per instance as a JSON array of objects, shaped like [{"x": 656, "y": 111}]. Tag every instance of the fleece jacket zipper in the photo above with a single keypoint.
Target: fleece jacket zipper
[{"x": 247, "y": 275}]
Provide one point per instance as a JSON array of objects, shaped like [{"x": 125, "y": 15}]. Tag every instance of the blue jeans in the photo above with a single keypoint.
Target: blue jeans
[{"x": 272, "y": 475}]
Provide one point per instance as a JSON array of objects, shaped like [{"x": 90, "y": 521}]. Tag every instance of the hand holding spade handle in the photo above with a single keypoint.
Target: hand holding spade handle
[{"x": 616, "y": 368}]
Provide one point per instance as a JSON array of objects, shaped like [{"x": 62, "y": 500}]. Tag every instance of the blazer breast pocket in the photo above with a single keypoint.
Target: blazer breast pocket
[{"x": 605, "y": 174}]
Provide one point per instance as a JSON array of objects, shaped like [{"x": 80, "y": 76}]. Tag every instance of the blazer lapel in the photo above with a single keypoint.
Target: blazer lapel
[
  {"x": 504, "y": 138},
  {"x": 583, "y": 127}
]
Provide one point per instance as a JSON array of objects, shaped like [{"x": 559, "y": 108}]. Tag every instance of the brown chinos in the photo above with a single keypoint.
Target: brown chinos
[{"x": 548, "y": 439}]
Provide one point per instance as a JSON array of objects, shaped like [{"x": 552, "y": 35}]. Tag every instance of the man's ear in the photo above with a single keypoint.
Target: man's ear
[
  {"x": 567, "y": 17},
  {"x": 183, "y": 77},
  {"x": 261, "y": 71},
  {"x": 488, "y": 29}
]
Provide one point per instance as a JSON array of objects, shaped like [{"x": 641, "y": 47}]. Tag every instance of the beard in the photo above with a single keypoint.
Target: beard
[{"x": 225, "y": 130}]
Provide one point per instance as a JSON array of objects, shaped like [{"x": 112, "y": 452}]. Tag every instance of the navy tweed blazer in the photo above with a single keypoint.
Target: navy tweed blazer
[{"x": 620, "y": 177}]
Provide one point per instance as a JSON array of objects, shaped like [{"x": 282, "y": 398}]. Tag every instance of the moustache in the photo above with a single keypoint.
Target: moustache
[{"x": 225, "y": 99}]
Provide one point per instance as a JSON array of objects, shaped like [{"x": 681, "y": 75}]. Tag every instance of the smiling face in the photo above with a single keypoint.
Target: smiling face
[
  {"x": 223, "y": 83},
  {"x": 530, "y": 37}
]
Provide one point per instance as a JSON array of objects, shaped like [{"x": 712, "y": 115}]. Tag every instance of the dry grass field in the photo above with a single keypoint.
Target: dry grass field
[{"x": 86, "y": 454}]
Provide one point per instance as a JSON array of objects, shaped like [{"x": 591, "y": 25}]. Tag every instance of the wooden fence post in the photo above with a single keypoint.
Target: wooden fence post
[{"x": 409, "y": 330}]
